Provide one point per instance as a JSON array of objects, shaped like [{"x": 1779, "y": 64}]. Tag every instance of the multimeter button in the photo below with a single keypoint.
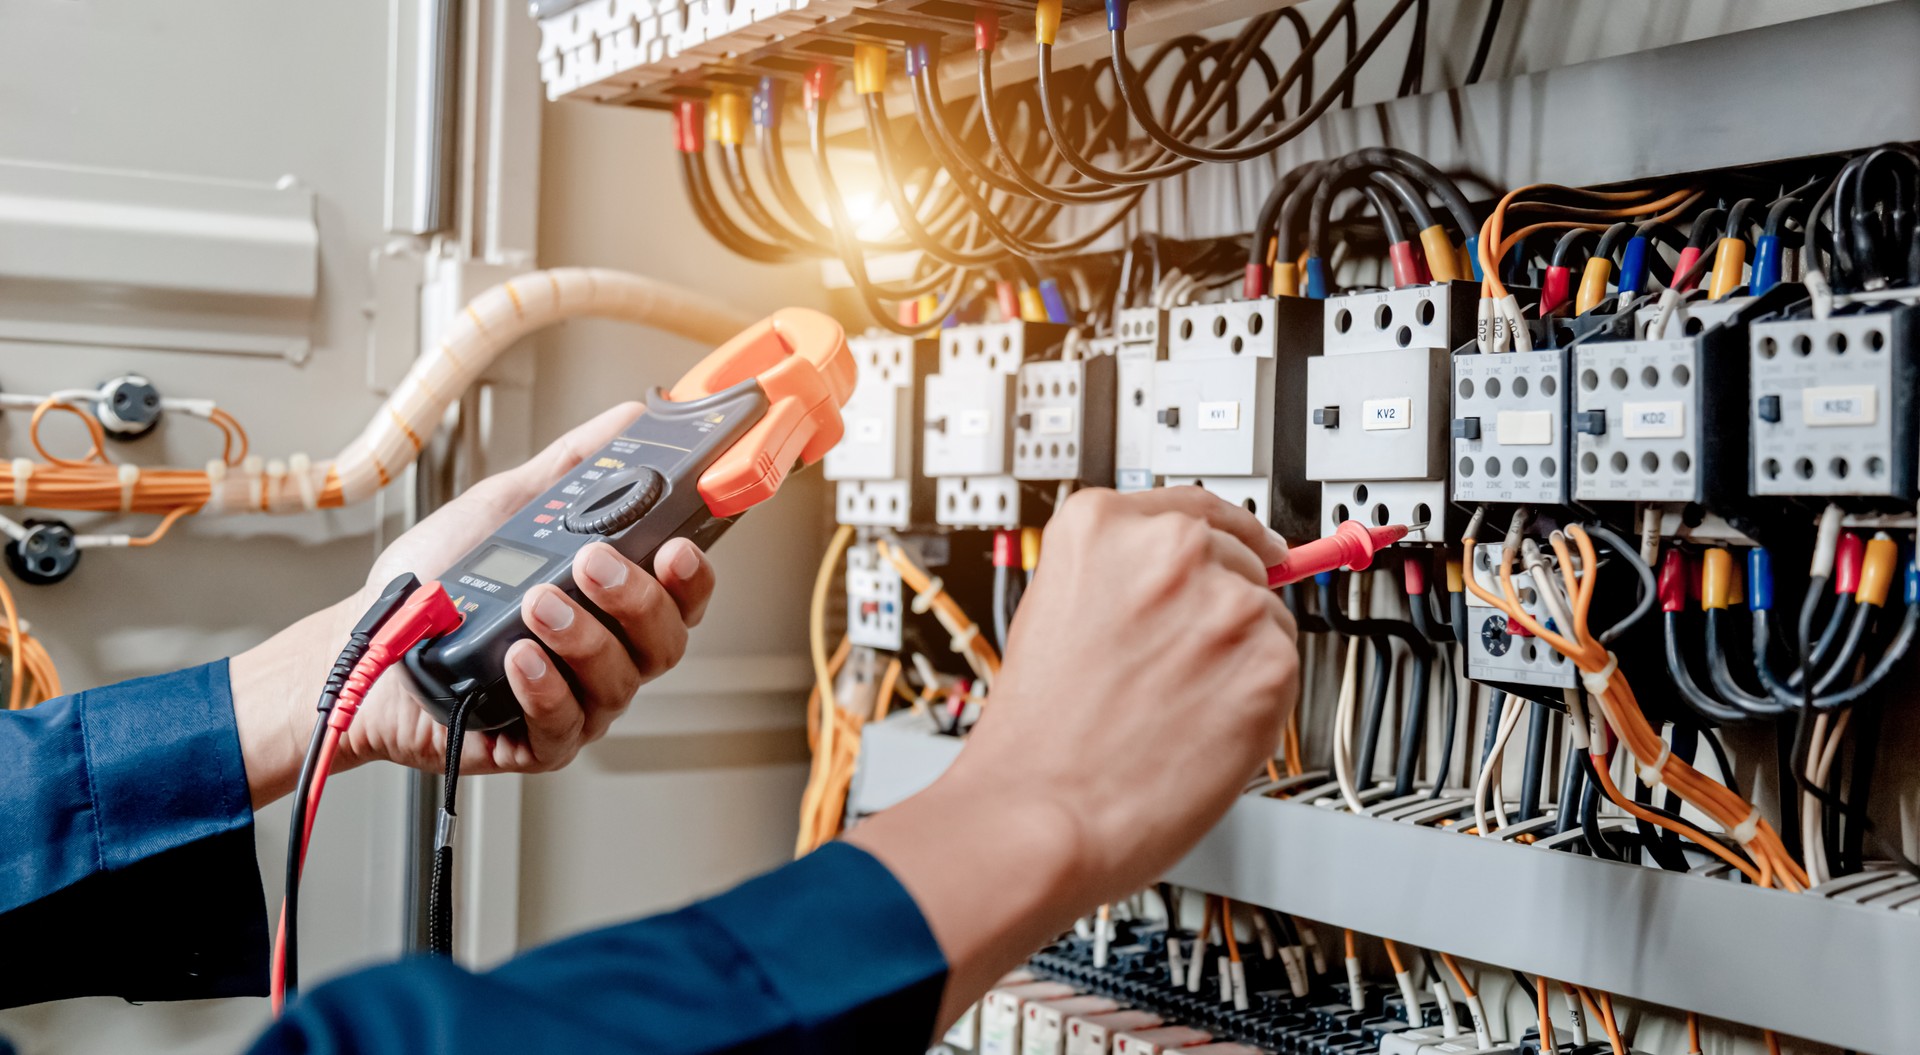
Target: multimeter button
[{"x": 616, "y": 503}]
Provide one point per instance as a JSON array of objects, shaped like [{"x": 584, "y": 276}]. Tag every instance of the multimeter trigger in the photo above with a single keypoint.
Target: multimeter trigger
[{"x": 720, "y": 442}]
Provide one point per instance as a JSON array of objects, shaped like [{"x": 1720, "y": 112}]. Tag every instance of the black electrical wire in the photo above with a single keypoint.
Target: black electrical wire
[
  {"x": 1305, "y": 621},
  {"x": 1496, "y": 703},
  {"x": 358, "y": 640},
  {"x": 1002, "y": 607},
  {"x": 1488, "y": 29},
  {"x": 1853, "y": 812},
  {"x": 1018, "y": 178},
  {"x": 1598, "y": 844},
  {"x": 1453, "y": 726},
  {"x": 1269, "y": 217},
  {"x": 1414, "y": 75},
  {"x": 693, "y": 173},
  {"x": 1572, "y": 779},
  {"x": 1533, "y": 771},
  {"x": 1649, "y": 589},
  {"x": 1376, "y": 710},
  {"x": 1413, "y": 725},
  {"x": 733, "y": 166},
  {"x": 1578, "y": 239},
  {"x": 1865, "y": 736},
  {"x": 440, "y": 900},
  {"x": 1720, "y": 674},
  {"x": 1707, "y": 708},
  {"x": 1727, "y": 775},
  {"x": 925, "y": 241},
  {"x": 1849, "y": 648}
]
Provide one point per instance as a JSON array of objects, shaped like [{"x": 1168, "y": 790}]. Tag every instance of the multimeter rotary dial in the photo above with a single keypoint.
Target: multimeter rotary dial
[{"x": 616, "y": 503}]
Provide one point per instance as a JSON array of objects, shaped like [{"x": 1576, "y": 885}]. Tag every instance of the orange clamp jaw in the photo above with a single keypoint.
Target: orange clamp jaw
[{"x": 799, "y": 358}]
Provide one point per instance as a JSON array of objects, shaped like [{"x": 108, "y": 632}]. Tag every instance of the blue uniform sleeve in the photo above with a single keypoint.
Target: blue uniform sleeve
[
  {"x": 126, "y": 846},
  {"x": 827, "y": 955}
]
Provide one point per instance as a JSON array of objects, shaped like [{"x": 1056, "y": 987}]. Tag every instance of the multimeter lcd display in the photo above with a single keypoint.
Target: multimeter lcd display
[{"x": 506, "y": 565}]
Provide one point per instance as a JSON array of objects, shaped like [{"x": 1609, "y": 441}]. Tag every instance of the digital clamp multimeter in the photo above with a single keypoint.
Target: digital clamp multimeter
[{"x": 720, "y": 442}]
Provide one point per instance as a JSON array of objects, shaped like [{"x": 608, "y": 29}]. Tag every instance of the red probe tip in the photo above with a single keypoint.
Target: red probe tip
[{"x": 1352, "y": 545}]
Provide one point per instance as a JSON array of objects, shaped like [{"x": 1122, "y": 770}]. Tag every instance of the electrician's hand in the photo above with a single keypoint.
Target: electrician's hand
[
  {"x": 280, "y": 679},
  {"x": 1149, "y": 673}
]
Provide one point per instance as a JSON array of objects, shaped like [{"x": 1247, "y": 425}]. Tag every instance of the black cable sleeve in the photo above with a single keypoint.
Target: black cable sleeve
[
  {"x": 1572, "y": 780},
  {"x": 1720, "y": 674},
  {"x": 1706, "y": 707},
  {"x": 1451, "y": 735},
  {"x": 440, "y": 901},
  {"x": 1597, "y": 842}
]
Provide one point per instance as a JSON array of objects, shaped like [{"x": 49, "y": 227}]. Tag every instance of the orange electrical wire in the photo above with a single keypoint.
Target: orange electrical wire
[
  {"x": 1353, "y": 947},
  {"x": 1493, "y": 230},
  {"x": 234, "y": 432},
  {"x": 1773, "y": 1041},
  {"x": 1625, "y": 717},
  {"x": 95, "y": 454},
  {"x": 1393, "y": 956},
  {"x": 1693, "y": 1033},
  {"x": 1612, "y": 1025},
  {"x": 160, "y": 531},
  {"x": 1226, "y": 927},
  {"x": 1542, "y": 1003},
  {"x": 1459, "y": 976}
]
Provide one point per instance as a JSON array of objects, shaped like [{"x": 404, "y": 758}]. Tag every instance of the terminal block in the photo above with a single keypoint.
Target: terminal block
[
  {"x": 1832, "y": 406},
  {"x": 967, "y": 420},
  {"x": 1139, "y": 343},
  {"x": 1214, "y": 399},
  {"x": 875, "y": 599},
  {"x": 1650, "y": 419},
  {"x": 1063, "y": 423},
  {"x": 1377, "y": 405},
  {"x": 1510, "y": 427},
  {"x": 875, "y": 467}
]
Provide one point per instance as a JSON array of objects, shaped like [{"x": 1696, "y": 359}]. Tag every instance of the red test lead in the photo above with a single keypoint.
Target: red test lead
[{"x": 1352, "y": 545}]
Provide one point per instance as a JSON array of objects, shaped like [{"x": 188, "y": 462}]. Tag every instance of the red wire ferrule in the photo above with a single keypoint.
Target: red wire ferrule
[
  {"x": 1555, "y": 289},
  {"x": 986, "y": 29},
  {"x": 1415, "y": 574},
  {"x": 1688, "y": 257},
  {"x": 1006, "y": 549},
  {"x": 687, "y": 122},
  {"x": 1405, "y": 271},
  {"x": 819, "y": 85},
  {"x": 1253, "y": 285},
  {"x": 1848, "y": 556},
  {"x": 1673, "y": 582}
]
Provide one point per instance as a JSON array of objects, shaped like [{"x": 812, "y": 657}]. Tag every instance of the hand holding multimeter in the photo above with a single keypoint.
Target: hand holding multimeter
[{"x": 716, "y": 444}]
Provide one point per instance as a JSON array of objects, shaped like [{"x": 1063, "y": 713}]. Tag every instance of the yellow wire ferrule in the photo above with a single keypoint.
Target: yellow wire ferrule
[
  {"x": 1029, "y": 548},
  {"x": 1593, "y": 285},
  {"x": 1442, "y": 259},
  {"x": 1716, "y": 574},
  {"x": 1046, "y": 21},
  {"x": 1286, "y": 280},
  {"x": 1876, "y": 571},
  {"x": 1456, "y": 576},
  {"x": 869, "y": 68},
  {"x": 1032, "y": 307},
  {"x": 1729, "y": 268},
  {"x": 1736, "y": 586},
  {"x": 729, "y": 110}
]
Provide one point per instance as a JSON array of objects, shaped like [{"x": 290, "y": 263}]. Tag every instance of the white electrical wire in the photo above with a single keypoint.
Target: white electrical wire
[
  {"x": 1509, "y": 721},
  {"x": 1349, "y": 694}
]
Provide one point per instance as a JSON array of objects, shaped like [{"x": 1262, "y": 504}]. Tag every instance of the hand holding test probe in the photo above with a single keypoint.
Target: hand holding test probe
[{"x": 1351, "y": 546}]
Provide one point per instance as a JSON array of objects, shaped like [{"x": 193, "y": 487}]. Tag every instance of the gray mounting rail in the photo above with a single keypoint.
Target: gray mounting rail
[{"x": 1822, "y": 968}]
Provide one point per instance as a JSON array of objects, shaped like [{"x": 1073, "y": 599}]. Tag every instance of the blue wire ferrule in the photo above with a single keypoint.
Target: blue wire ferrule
[
  {"x": 1760, "y": 579},
  {"x": 1473, "y": 256},
  {"x": 1766, "y": 263},
  {"x": 1316, "y": 278},
  {"x": 1116, "y": 16},
  {"x": 917, "y": 58},
  {"x": 766, "y": 103},
  {"x": 1633, "y": 267},
  {"x": 1912, "y": 589},
  {"x": 1323, "y": 578},
  {"x": 1055, "y": 301}
]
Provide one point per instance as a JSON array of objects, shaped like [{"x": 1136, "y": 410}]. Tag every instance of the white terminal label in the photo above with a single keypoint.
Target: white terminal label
[
  {"x": 1524, "y": 428},
  {"x": 1219, "y": 416},
  {"x": 1053, "y": 421},
  {"x": 1840, "y": 405},
  {"x": 1653, "y": 421},
  {"x": 973, "y": 423},
  {"x": 869, "y": 430},
  {"x": 1386, "y": 414}
]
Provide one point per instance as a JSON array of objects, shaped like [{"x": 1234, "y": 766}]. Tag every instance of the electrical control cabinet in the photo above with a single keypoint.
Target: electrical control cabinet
[
  {"x": 878, "y": 478},
  {"x": 967, "y": 420},
  {"x": 1832, "y": 406},
  {"x": 1063, "y": 421},
  {"x": 1500, "y": 653},
  {"x": 1510, "y": 427},
  {"x": 875, "y": 599},
  {"x": 1378, "y": 405},
  {"x": 1140, "y": 342}
]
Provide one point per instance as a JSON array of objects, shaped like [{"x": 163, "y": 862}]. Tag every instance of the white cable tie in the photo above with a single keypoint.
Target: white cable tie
[
  {"x": 963, "y": 639},
  {"x": 216, "y": 473},
  {"x": 1650, "y": 771},
  {"x": 199, "y": 408},
  {"x": 276, "y": 481},
  {"x": 253, "y": 467},
  {"x": 101, "y": 541},
  {"x": 925, "y": 598},
  {"x": 1746, "y": 831},
  {"x": 22, "y": 473},
  {"x": 1597, "y": 681},
  {"x": 129, "y": 479},
  {"x": 301, "y": 467}
]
